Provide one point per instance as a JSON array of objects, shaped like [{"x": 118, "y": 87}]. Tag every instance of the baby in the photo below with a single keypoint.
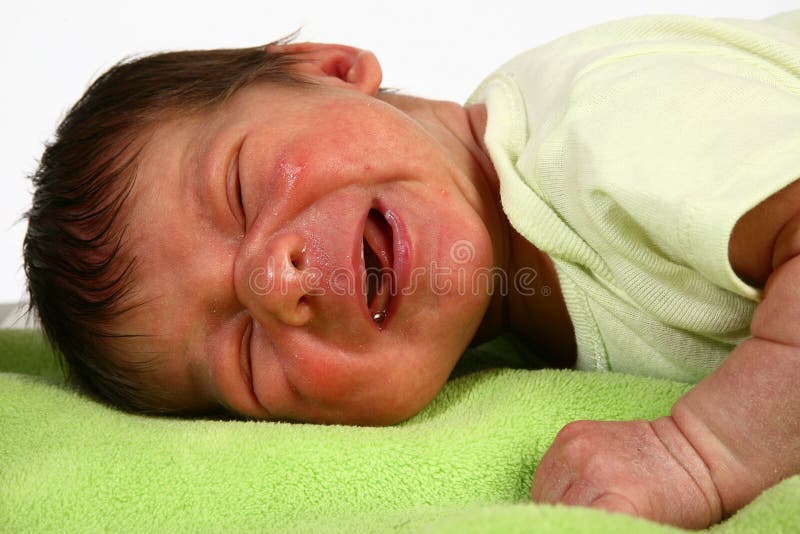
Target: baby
[{"x": 265, "y": 231}]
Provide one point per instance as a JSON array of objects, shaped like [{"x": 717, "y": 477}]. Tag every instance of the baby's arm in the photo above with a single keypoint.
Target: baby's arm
[{"x": 733, "y": 435}]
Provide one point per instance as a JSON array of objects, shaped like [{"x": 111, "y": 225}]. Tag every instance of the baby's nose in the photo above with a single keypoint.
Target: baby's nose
[{"x": 279, "y": 283}]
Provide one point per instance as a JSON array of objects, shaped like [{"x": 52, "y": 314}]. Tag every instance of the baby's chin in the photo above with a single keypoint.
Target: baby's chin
[
  {"x": 377, "y": 421},
  {"x": 375, "y": 414}
]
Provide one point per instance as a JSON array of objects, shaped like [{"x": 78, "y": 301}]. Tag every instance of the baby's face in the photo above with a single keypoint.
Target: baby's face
[{"x": 253, "y": 226}]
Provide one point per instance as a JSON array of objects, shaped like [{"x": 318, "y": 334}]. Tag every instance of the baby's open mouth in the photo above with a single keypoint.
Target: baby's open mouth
[{"x": 381, "y": 279}]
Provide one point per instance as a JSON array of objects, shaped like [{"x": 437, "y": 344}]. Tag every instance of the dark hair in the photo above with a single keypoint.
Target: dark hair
[{"x": 79, "y": 274}]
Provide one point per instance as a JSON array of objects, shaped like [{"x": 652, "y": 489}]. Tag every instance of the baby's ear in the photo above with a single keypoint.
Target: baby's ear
[{"x": 335, "y": 64}]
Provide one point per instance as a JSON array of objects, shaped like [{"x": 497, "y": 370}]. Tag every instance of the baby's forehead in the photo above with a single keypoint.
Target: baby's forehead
[{"x": 156, "y": 218}]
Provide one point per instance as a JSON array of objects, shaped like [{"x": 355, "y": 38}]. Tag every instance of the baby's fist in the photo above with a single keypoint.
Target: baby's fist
[{"x": 632, "y": 467}]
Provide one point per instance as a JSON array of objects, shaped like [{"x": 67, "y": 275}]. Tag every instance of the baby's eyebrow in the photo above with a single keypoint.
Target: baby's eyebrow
[
  {"x": 203, "y": 389},
  {"x": 195, "y": 176},
  {"x": 195, "y": 387}
]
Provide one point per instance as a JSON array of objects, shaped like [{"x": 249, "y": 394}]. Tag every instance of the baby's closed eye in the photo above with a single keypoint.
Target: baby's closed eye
[{"x": 234, "y": 190}]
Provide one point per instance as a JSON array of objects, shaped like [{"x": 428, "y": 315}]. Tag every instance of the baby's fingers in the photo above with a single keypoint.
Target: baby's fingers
[
  {"x": 551, "y": 480},
  {"x": 614, "y": 503},
  {"x": 622, "y": 467},
  {"x": 555, "y": 483},
  {"x": 574, "y": 491},
  {"x": 555, "y": 473}
]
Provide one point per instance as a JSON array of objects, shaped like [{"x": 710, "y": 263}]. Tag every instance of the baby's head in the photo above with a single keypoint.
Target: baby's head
[{"x": 204, "y": 222}]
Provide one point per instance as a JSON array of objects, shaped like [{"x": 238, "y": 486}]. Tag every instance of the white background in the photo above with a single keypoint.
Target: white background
[{"x": 50, "y": 51}]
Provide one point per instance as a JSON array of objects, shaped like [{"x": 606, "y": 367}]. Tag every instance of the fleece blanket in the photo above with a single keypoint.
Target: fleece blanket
[{"x": 465, "y": 464}]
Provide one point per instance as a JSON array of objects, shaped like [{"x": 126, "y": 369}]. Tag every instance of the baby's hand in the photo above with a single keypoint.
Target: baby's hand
[{"x": 639, "y": 468}]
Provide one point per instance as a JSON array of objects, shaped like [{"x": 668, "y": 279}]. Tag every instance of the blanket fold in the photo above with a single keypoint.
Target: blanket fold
[{"x": 464, "y": 464}]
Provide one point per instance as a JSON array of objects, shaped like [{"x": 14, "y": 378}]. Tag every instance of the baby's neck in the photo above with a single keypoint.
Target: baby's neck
[
  {"x": 537, "y": 312},
  {"x": 531, "y": 305}
]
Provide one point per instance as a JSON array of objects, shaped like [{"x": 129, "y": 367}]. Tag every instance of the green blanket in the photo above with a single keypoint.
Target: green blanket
[{"x": 465, "y": 464}]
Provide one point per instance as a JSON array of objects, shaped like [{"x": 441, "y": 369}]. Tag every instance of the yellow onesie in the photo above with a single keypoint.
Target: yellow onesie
[{"x": 627, "y": 152}]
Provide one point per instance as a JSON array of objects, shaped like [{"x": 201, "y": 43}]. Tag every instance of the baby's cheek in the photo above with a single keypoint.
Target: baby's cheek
[
  {"x": 323, "y": 375},
  {"x": 365, "y": 389},
  {"x": 325, "y": 378}
]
